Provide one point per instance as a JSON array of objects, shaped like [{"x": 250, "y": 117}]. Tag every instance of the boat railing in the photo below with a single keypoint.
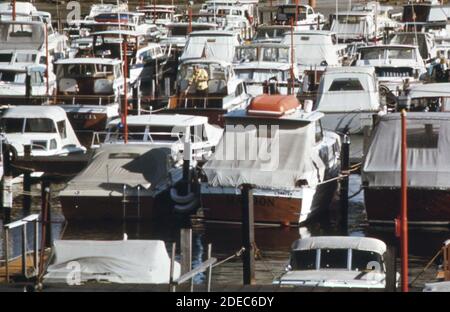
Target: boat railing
[
  {"x": 100, "y": 137},
  {"x": 23, "y": 224},
  {"x": 72, "y": 99}
]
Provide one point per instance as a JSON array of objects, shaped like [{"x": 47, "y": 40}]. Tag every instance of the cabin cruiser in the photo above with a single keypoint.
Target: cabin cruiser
[
  {"x": 89, "y": 90},
  {"x": 287, "y": 158},
  {"x": 393, "y": 63},
  {"x": 315, "y": 49},
  {"x": 163, "y": 129},
  {"x": 121, "y": 261},
  {"x": 428, "y": 163},
  {"x": 226, "y": 92},
  {"x": 249, "y": 6},
  {"x": 124, "y": 181},
  {"x": 337, "y": 262},
  {"x": 307, "y": 19},
  {"x": 266, "y": 68},
  {"x": 349, "y": 98},
  {"x": 212, "y": 44},
  {"x": 424, "y": 41},
  {"x": 231, "y": 18},
  {"x": 45, "y": 128},
  {"x": 355, "y": 26}
]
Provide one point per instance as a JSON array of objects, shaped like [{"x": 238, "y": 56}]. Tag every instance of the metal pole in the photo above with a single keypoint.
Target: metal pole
[
  {"x": 248, "y": 235},
  {"x": 404, "y": 207},
  {"x": 296, "y": 12},
  {"x": 209, "y": 272},
  {"x": 186, "y": 251},
  {"x": 24, "y": 250},
  {"x": 172, "y": 266},
  {"x": 345, "y": 166},
  {"x": 190, "y": 19},
  {"x": 36, "y": 245},
  {"x": 291, "y": 90},
  {"x": 13, "y": 10},
  {"x": 125, "y": 100},
  {"x": 46, "y": 214},
  {"x": 46, "y": 58},
  {"x": 26, "y": 191}
]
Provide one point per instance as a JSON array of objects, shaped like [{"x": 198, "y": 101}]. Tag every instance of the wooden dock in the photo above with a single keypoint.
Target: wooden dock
[{"x": 15, "y": 269}]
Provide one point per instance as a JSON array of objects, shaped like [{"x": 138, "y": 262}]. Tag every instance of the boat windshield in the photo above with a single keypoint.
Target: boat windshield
[
  {"x": 275, "y": 54},
  {"x": 84, "y": 70},
  {"x": 268, "y": 33},
  {"x": 375, "y": 54},
  {"x": 12, "y": 125},
  {"x": 214, "y": 70},
  {"x": 249, "y": 54},
  {"x": 12, "y": 76},
  {"x": 335, "y": 258},
  {"x": 33, "y": 125},
  {"x": 260, "y": 75},
  {"x": 350, "y": 19}
]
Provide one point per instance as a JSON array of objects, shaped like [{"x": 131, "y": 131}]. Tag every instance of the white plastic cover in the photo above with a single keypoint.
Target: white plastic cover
[
  {"x": 277, "y": 160},
  {"x": 340, "y": 242},
  {"x": 127, "y": 261},
  {"x": 212, "y": 46},
  {"x": 428, "y": 142}
]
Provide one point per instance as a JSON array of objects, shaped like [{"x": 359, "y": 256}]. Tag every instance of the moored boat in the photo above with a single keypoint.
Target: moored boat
[{"x": 282, "y": 151}]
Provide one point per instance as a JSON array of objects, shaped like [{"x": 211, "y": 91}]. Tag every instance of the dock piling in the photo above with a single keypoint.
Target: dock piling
[
  {"x": 7, "y": 196},
  {"x": 345, "y": 166},
  {"x": 248, "y": 235},
  {"x": 186, "y": 251},
  {"x": 46, "y": 212}
]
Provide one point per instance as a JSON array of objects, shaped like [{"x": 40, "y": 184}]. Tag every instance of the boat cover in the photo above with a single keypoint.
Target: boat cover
[
  {"x": 208, "y": 47},
  {"x": 116, "y": 165},
  {"x": 340, "y": 242},
  {"x": 274, "y": 160},
  {"x": 428, "y": 143},
  {"x": 353, "y": 30},
  {"x": 22, "y": 35},
  {"x": 126, "y": 261}
]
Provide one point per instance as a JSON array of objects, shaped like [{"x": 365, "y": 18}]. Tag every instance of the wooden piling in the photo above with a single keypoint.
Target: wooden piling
[
  {"x": 248, "y": 235},
  {"x": 46, "y": 213},
  {"x": 345, "y": 166},
  {"x": 391, "y": 269},
  {"x": 7, "y": 196},
  {"x": 186, "y": 251}
]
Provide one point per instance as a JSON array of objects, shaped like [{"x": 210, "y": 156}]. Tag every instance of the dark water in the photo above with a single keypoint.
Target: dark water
[{"x": 273, "y": 242}]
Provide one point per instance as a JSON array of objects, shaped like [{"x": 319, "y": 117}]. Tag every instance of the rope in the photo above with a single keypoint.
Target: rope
[
  {"x": 426, "y": 267},
  {"x": 258, "y": 255},
  {"x": 236, "y": 254}
]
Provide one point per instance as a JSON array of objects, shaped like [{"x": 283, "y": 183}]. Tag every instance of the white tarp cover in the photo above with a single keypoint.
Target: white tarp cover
[
  {"x": 347, "y": 30},
  {"x": 352, "y": 100},
  {"x": 210, "y": 47},
  {"x": 267, "y": 161},
  {"x": 22, "y": 35},
  {"x": 126, "y": 261},
  {"x": 312, "y": 49},
  {"x": 114, "y": 165},
  {"x": 428, "y": 143},
  {"x": 340, "y": 242},
  {"x": 430, "y": 90}
]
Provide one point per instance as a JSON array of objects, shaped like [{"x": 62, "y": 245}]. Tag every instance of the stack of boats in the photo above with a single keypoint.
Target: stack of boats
[{"x": 120, "y": 81}]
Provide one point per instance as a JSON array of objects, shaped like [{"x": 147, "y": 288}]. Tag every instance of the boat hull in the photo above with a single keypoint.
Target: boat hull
[
  {"x": 113, "y": 208},
  {"x": 425, "y": 206},
  {"x": 282, "y": 207}
]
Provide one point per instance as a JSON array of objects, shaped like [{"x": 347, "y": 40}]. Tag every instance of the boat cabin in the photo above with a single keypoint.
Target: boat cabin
[
  {"x": 45, "y": 128},
  {"x": 307, "y": 19},
  {"x": 336, "y": 261}
]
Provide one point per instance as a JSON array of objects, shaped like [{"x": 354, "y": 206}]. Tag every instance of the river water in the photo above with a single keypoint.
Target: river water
[{"x": 273, "y": 242}]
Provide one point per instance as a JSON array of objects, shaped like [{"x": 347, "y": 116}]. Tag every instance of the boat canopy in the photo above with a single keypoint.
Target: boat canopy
[
  {"x": 211, "y": 44},
  {"x": 22, "y": 35},
  {"x": 267, "y": 152},
  {"x": 32, "y": 111},
  {"x": 313, "y": 47},
  {"x": 340, "y": 242},
  {"x": 428, "y": 143},
  {"x": 126, "y": 261},
  {"x": 429, "y": 90},
  {"x": 348, "y": 89},
  {"x": 117, "y": 165}
]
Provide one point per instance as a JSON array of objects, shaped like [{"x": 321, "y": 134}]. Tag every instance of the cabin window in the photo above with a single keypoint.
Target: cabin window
[
  {"x": 12, "y": 125},
  {"x": 404, "y": 54},
  {"x": 333, "y": 258},
  {"x": 123, "y": 156},
  {"x": 363, "y": 260},
  {"x": 310, "y": 11},
  {"x": 239, "y": 89},
  {"x": 346, "y": 84},
  {"x": 37, "y": 78},
  {"x": 319, "y": 131},
  {"x": 5, "y": 57},
  {"x": 20, "y": 31},
  {"x": 303, "y": 259},
  {"x": 25, "y": 58},
  {"x": 45, "y": 125},
  {"x": 304, "y": 38},
  {"x": 62, "y": 129},
  {"x": 43, "y": 60},
  {"x": 422, "y": 136}
]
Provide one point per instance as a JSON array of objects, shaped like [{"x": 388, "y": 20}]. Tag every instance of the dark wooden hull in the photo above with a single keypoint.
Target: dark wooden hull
[
  {"x": 111, "y": 208},
  {"x": 425, "y": 206},
  {"x": 85, "y": 124},
  {"x": 269, "y": 209}
]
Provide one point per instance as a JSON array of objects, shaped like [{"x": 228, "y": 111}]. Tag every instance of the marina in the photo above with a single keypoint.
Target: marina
[{"x": 224, "y": 146}]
